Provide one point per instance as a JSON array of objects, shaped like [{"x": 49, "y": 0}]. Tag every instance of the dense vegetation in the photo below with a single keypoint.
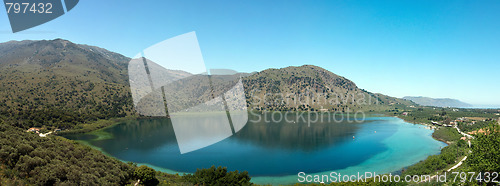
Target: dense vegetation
[
  {"x": 59, "y": 84},
  {"x": 486, "y": 151},
  {"x": 442, "y": 115},
  {"x": 483, "y": 156},
  {"x": 468, "y": 127},
  {"x": 56, "y": 160},
  {"x": 446, "y": 134},
  {"x": 448, "y": 156},
  {"x": 26, "y": 158},
  {"x": 218, "y": 176},
  {"x": 146, "y": 175}
]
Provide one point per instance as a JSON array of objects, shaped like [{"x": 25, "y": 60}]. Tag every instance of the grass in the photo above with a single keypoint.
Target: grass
[
  {"x": 446, "y": 134},
  {"x": 96, "y": 125}
]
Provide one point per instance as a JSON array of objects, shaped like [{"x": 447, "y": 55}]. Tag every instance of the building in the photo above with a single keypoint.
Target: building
[
  {"x": 35, "y": 130},
  {"x": 478, "y": 131}
]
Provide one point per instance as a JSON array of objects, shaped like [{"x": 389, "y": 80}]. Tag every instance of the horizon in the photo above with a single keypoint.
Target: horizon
[{"x": 430, "y": 49}]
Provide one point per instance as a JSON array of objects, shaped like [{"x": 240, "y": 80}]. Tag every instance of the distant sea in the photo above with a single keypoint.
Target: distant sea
[{"x": 485, "y": 107}]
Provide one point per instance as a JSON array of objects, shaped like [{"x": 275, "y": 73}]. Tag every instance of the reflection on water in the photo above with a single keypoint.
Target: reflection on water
[
  {"x": 262, "y": 148},
  {"x": 294, "y": 134}
]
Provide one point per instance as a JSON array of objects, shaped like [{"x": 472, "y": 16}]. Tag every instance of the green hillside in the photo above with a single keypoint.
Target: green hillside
[
  {"x": 311, "y": 87},
  {"x": 58, "y": 84}
]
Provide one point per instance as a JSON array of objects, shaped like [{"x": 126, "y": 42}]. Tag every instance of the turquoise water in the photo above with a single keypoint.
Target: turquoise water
[{"x": 276, "y": 152}]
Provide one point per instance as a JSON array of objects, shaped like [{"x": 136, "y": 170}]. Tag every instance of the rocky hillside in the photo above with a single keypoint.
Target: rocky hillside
[
  {"x": 56, "y": 83},
  {"x": 311, "y": 87},
  {"x": 59, "y": 83}
]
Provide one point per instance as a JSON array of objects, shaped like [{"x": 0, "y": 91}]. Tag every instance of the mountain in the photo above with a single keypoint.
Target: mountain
[
  {"x": 57, "y": 83},
  {"x": 437, "y": 102},
  {"x": 311, "y": 87}
]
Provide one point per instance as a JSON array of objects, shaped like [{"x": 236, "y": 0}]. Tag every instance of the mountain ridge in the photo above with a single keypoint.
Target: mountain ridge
[
  {"x": 64, "y": 82},
  {"x": 437, "y": 102}
]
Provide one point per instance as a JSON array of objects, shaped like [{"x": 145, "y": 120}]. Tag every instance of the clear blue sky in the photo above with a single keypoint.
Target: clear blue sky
[{"x": 399, "y": 48}]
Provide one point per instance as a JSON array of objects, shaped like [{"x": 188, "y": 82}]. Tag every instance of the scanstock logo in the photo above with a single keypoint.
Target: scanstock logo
[
  {"x": 169, "y": 79},
  {"x": 25, "y": 14}
]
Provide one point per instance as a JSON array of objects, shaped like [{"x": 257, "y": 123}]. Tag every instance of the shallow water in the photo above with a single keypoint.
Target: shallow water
[{"x": 275, "y": 152}]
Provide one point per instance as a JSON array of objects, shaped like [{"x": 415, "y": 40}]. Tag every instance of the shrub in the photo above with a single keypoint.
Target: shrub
[{"x": 218, "y": 176}]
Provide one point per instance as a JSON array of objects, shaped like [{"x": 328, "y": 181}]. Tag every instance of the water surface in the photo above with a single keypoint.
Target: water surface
[{"x": 274, "y": 152}]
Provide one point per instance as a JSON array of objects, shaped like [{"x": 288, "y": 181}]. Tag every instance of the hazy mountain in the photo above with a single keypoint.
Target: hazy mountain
[
  {"x": 60, "y": 83},
  {"x": 438, "y": 102}
]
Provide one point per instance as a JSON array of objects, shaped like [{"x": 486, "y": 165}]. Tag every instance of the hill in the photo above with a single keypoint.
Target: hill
[
  {"x": 59, "y": 84},
  {"x": 311, "y": 87},
  {"x": 438, "y": 102}
]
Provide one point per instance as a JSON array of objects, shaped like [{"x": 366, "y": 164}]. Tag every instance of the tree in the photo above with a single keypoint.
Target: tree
[
  {"x": 485, "y": 155},
  {"x": 146, "y": 174},
  {"x": 218, "y": 176}
]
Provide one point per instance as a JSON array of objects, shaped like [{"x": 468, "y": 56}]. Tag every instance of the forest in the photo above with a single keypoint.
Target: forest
[{"x": 28, "y": 159}]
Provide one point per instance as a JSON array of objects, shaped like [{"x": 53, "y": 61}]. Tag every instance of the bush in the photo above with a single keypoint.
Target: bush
[
  {"x": 146, "y": 174},
  {"x": 447, "y": 134},
  {"x": 218, "y": 176},
  {"x": 486, "y": 151},
  {"x": 55, "y": 161}
]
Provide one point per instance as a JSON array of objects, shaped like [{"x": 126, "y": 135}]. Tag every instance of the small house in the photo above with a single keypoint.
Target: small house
[{"x": 35, "y": 130}]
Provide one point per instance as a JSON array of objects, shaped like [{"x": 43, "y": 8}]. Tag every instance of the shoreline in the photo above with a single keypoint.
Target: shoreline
[
  {"x": 425, "y": 124},
  {"x": 96, "y": 125},
  {"x": 259, "y": 179}
]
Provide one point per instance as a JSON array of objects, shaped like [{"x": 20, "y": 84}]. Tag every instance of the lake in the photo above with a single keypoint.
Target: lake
[{"x": 275, "y": 151}]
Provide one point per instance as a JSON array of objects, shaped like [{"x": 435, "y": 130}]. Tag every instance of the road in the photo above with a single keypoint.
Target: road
[
  {"x": 44, "y": 135},
  {"x": 464, "y": 134},
  {"x": 460, "y": 162},
  {"x": 457, "y": 165}
]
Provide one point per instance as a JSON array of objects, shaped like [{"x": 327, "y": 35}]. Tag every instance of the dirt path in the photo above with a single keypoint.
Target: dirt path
[
  {"x": 464, "y": 134},
  {"x": 457, "y": 165},
  {"x": 44, "y": 135}
]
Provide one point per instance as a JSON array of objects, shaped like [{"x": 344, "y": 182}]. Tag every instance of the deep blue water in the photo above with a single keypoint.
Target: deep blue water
[{"x": 275, "y": 150}]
